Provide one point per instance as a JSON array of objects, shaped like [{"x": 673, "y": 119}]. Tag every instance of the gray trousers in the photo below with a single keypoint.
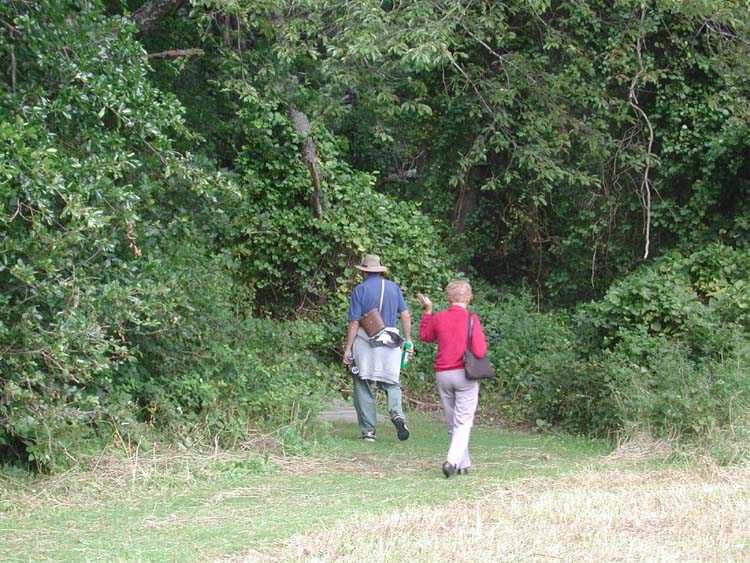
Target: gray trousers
[
  {"x": 364, "y": 402},
  {"x": 460, "y": 398}
]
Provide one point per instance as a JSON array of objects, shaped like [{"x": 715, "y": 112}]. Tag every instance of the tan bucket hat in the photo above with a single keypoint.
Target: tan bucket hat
[{"x": 371, "y": 263}]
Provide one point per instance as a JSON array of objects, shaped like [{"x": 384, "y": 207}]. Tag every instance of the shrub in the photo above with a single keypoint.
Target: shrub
[
  {"x": 660, "y": 387},
  {"x": 652, "y": 353},
  {"x": 670, "y": 339},
  {"x": 540, "y": 369},
  {"x": 296, "y": 263},
  {"x": 119, "y": 306}
]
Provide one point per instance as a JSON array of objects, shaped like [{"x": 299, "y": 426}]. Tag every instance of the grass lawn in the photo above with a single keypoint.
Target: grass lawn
[{"x": 202, "y": 507}]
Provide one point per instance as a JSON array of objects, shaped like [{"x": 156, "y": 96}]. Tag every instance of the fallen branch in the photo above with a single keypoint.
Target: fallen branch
[
  {"x": 175, "y": 53},
  {"x": 424, "y": 405}
]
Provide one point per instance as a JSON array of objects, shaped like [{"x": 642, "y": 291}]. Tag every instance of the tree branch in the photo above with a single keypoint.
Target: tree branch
[
  {"x": 309, "y": 153},
  {"x": 12, "y": 70},
  {"x": 175, "y": 53},
  {"x": 8, "y": 26},
  {"x": 633, "y": 100}
]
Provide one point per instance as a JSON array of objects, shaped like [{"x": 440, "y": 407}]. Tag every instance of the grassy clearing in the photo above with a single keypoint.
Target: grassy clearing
[
  {"x": 247, "y": 506},
  {"x": 593, "y": 516}
]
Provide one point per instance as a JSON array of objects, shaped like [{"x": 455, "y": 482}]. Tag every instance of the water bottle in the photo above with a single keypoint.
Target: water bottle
[
  {"x": 352, "y": 366},
  {"x": 405, "y": 354}
]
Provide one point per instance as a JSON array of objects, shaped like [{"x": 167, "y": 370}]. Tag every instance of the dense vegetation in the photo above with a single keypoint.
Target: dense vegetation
[{"x": 184, "y": 187}]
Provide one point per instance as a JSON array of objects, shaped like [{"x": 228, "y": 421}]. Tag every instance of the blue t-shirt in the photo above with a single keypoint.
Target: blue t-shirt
[{"x": 366, "y": 296}]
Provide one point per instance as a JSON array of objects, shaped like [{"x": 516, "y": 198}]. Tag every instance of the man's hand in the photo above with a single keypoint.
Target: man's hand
[
  {"x": 347, "y": 358},
  {"x": 351, "y": 334},
  {"x": 409, "y": 349}
]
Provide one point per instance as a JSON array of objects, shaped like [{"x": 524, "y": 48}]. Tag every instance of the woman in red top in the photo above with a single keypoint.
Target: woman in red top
[{"x": 460, "y": 396}]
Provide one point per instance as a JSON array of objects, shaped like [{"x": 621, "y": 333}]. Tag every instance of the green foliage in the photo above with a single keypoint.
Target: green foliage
[
  {"x": 698, "y": 298},
  {"x": 660, "y": 387},
  {"x": 665, "y": 349},
  {"x": 541, "y": 375},
  {"x": 518, "y": 118},
  {"x": 294, "y": 260},
  {"x": 151, "y": 210},
  {"x": 658, "y": 300},
  {"x": 537, "y": 122},
  {"x": 79, "y": 140},
  {"x": 120, "y": 307},
  {"x": 204, "y": 364},
  {"x": 668, "y": 341}
]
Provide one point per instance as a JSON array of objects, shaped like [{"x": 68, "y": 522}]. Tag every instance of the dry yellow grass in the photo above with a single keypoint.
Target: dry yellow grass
[{"x": 611, "y": 516}]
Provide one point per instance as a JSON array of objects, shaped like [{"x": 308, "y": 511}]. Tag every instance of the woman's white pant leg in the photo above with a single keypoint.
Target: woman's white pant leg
[{"x": 460, "y": 398}]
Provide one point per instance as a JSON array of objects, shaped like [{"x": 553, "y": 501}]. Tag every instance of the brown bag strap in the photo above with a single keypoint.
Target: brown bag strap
[{"x": 471, "y": 326}]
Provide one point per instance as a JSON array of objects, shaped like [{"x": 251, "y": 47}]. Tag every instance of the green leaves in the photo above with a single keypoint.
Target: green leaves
[
  {"x": 149, "y": 208},
  {"x": 89, "y": 187}
]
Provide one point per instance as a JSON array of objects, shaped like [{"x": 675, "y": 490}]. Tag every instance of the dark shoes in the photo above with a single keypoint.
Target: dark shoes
[
  {"x": 401, "y": 429},
  {"x": 448, "y": 469}
]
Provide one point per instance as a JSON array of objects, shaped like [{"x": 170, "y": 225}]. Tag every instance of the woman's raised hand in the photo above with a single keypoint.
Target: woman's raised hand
[{"x": 425, "y": 301}]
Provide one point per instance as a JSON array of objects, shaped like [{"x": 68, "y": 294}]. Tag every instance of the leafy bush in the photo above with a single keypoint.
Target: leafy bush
[
  {"x": 540, "y": 371},
  {"x": 661, "y": 388},
  {"x": 698, "y": 299},
  {"x": 669, "y": 341},
  {"x": 294, "y": 261},
  {"x": 659, "y": 300},
  {"x": 664, "y": 349},
  {"x": 206, "y": 363},
  {"x": 80, "y": 154},
  {"x": 119, "y": 307}
]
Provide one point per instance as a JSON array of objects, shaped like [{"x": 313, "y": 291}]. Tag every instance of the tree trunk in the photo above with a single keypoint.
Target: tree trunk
[
  {"x": 466, "y": 200},
  {"x": 152, "y": 12},
  {"x": 309, "y": 154},
  {"x": 468, "y": 194}
]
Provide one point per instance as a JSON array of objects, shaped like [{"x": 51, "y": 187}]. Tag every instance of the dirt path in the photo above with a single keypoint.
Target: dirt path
[{"x": 343, "y": 411}]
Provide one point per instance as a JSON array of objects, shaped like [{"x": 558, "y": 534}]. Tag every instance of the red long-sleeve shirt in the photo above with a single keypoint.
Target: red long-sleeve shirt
[{"x": 451, "y": 330}]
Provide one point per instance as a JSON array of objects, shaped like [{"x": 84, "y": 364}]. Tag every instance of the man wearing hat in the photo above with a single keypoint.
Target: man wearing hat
[{"x": 378, "y": 357}]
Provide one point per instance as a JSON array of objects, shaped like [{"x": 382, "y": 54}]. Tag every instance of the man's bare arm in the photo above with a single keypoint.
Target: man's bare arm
[{"x": 406, "y": 324}]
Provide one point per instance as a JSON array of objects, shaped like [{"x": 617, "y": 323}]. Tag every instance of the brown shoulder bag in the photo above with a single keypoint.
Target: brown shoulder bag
[{"x": 371, "y": 321}]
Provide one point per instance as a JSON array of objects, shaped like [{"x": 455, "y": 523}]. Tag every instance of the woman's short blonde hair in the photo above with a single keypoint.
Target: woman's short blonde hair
[{"x": 458, "y": 291}]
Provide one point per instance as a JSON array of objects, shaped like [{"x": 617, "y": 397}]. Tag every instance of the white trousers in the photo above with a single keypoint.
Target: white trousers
[{"x": 460, "y": 398}]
